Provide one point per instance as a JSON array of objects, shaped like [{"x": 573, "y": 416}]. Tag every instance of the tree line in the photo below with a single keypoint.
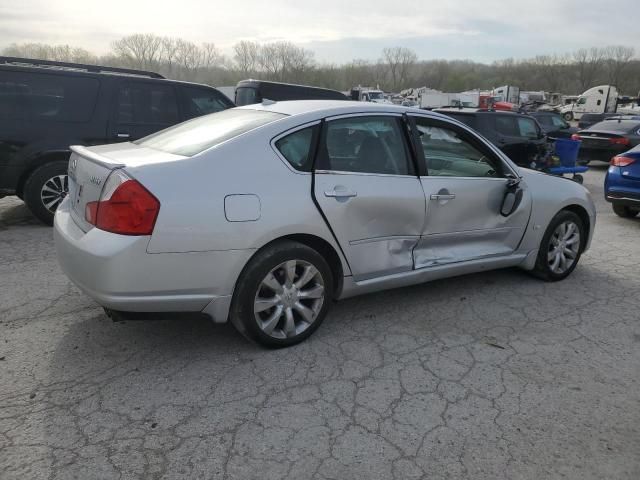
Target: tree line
[{"x": 397, "y": 68}]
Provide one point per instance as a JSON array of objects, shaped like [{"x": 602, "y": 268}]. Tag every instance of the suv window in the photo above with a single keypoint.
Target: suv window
[
  {"x": 559, "y": 122},
  {"x": 545, "y": 119},
  {"x": 41, "y": 96},
  {"x": 194, "y": 136},
  {"x": 527, "y": 127},
  {"x": 201, "y": 101},
  {"x": 506, "y": 125},
  {"x": 449, "y": 154},
  {"x": 371, "y": 144},
  {"x": 146, "y": 103},
  {"x": 296, "y": 148}
]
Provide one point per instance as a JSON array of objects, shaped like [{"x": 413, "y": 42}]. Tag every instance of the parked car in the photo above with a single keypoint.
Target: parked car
[
  {"x": 46, "y": 106},
  {"x": 622, "y": 183},
  {"x": 249, "y": 92},
  {"x": 360, "y": 197},
  {"x": 606, "y": 139},
  {"x": 553, "y": 125},
  {"x": 589, "y": 119},
  {"x": 517, "y": 135}
]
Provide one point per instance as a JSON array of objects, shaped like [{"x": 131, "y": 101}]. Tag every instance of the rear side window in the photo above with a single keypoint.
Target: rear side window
[
  {"x": 41, "y": 96},
  {"x": 147, "y": 103},
  {"x": 247, "y": 96},
  {"x": 202, "y": 101},
  {"x": 469, "y": 120},
  {"x": 194, "y": 136},
  {"x": 296, "y": 148}
]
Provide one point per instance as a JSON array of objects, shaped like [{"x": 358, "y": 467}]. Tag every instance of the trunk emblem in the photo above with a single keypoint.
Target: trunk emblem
[{"x": 95, "y": 180}]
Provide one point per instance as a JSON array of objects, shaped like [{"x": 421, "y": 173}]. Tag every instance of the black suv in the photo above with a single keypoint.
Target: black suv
[
  {"x": 46, "y": 106},
  {"x": 517, "y": 135}
]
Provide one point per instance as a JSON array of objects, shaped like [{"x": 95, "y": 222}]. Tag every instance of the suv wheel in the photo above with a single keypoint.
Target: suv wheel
[
  {"x": 45, "y": 189},
  {"x": 561, "y": 247},
  {"x": 624, "y": 211},
  {"x": 283, "y": 295}
]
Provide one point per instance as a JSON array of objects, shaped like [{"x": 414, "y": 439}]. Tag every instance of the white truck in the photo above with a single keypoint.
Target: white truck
[
  {"x": 435, "y": 99},
  {"x": 600, "y": 99},
  {"x": 366, "y": 94}
]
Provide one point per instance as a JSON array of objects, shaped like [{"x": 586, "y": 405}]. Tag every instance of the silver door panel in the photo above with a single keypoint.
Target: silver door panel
[
  {"x": 463, "y": 220},
  {"x": 377, "y": 219}
]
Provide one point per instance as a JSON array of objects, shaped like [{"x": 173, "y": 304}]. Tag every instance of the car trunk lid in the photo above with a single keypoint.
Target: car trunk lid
[{"x": 89, "y": 168}]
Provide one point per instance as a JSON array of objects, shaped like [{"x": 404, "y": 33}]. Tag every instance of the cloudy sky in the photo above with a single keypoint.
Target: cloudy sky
[{"x": 337, "y": 30}]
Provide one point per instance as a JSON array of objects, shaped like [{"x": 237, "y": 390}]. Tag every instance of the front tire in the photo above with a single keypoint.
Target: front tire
[
  {"x": 624, "y": 211},
  {"x": 45, "y": 189},
  {"x": 561, "y": 247},
  {"x": 282, "y": 295},
  {"x": 568, "y": 116}
]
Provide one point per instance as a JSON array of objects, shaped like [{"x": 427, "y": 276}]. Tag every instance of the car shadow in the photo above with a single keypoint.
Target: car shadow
[{"x": 16, "y": 213}]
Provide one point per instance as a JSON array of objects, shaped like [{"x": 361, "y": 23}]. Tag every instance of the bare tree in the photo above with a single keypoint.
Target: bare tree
[
  {"x": 617, "y": 59},
  {"x": 247, "y": 57},
  {"x": 169, "y": 52},
  {"x": 211, "y": 56},
  {"x": 587, "y": 63},
  {"x": 139, "y": 50},
  {"x": 399, "y": 60},
  {"x": 188, "y": 57}
]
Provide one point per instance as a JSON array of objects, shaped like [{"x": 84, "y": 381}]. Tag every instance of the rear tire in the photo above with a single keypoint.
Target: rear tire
[
  {"x": 561, "y": 247},
  {"x": 282, "y": 295},
  {"x": 45, "y": 188},
  {"x": 624, "y": 211}
]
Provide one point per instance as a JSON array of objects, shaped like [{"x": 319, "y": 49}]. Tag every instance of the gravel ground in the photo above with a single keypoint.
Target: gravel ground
[{"x": 490, "y": 376}]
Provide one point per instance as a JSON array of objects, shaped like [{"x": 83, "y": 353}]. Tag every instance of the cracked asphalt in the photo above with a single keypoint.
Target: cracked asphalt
[{"x": 490, "y": 376}]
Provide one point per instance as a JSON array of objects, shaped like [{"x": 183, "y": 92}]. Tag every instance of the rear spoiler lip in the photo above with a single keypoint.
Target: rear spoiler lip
[{"x": 95, "y": 158}]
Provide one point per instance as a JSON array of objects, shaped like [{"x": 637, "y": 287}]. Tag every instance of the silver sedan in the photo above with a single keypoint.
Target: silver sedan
[{"x": 266, "y": 214}]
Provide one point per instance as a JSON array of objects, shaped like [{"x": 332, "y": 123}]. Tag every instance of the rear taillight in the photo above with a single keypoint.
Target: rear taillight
[
  {"x": 575, "y": 136},
  {"x": 622, "y": 161},
  {"x": 125, "y": 207},
  {"x": 619, "y": 141}
]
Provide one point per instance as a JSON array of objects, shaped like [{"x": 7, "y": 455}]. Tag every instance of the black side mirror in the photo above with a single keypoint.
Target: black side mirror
[{"x": 512, "y": 198}]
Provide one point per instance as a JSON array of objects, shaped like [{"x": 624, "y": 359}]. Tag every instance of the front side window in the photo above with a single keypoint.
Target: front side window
[
  {"x": 449, "y": 154},
  {"x": 366, "y": 145},
  {"x": 41, "y": 96},
  {"x": 582, "y": 100},
  {"x": 202, "y": 101},
  {"x": 527, "y": 128},
  {"x": 559, "y": 122},
  {"x": 507, "y": 125},
  {"x": 147, "y": 104},
  {"x": 296, "y": 148},
  {"x": 194, "y": 136}
]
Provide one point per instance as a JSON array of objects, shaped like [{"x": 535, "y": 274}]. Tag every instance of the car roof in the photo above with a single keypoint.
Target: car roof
[{"x": 333, "y": 107}]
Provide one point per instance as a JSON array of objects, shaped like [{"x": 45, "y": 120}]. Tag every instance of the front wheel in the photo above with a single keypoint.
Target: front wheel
[
  {"x": 45, "y": 189},
  {"x": 561, "y": 247},
  {"x": 282, "y": 295},
  {"x": 568, "y": 116},
  {"x": 624, "y": 211}
]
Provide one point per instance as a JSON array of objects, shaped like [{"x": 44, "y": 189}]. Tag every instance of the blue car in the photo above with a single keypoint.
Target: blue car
[{"x": 622, "y": 183}]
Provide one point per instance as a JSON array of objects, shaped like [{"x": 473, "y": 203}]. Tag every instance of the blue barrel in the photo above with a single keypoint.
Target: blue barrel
[{"x": 567, "y": 151}]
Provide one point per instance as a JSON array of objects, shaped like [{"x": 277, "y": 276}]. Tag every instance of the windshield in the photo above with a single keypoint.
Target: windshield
[
  {"x": 247, "y": 96},
  {"x": 194, "y": 136}
]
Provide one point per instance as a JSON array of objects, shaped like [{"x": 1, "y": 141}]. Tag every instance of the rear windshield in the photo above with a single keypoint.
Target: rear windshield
[
  {"x": 247, "y": 96},
  {"x": 194, "y": 136},
  {"x": 622, "y": 126}
]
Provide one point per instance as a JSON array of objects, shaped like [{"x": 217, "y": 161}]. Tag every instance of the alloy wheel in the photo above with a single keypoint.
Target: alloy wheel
[
  {"x": 564, "y": 247},
  {"x": 53, "y": 192},
  {"x": 289, "y": 299}
]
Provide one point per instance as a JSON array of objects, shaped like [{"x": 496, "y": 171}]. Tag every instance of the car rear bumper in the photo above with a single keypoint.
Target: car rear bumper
[
  {"x": 118, "y": 273},
  {"x": 621, "y": 189}
]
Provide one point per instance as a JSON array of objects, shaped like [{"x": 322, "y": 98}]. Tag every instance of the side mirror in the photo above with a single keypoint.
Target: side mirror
[{"x": 512, "y": 198}]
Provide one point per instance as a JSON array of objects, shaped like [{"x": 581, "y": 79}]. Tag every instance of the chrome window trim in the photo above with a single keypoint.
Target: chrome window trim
[{"x": 361, "y": 174}]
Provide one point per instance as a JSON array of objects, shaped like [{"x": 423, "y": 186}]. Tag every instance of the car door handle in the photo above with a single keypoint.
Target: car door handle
[
  {"x": 340, "y": 193},
  {"x": 443, "y": 196},
  {"x": 122, "y": 135}
]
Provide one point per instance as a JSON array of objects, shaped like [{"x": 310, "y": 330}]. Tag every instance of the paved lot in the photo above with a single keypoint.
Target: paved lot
[{"x": 492, "y": 376}]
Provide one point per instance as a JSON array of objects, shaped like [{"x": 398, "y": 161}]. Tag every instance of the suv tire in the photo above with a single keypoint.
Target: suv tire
[
  {"x": 624, "y": 211},
  {"x": 45, "y": 188}
]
